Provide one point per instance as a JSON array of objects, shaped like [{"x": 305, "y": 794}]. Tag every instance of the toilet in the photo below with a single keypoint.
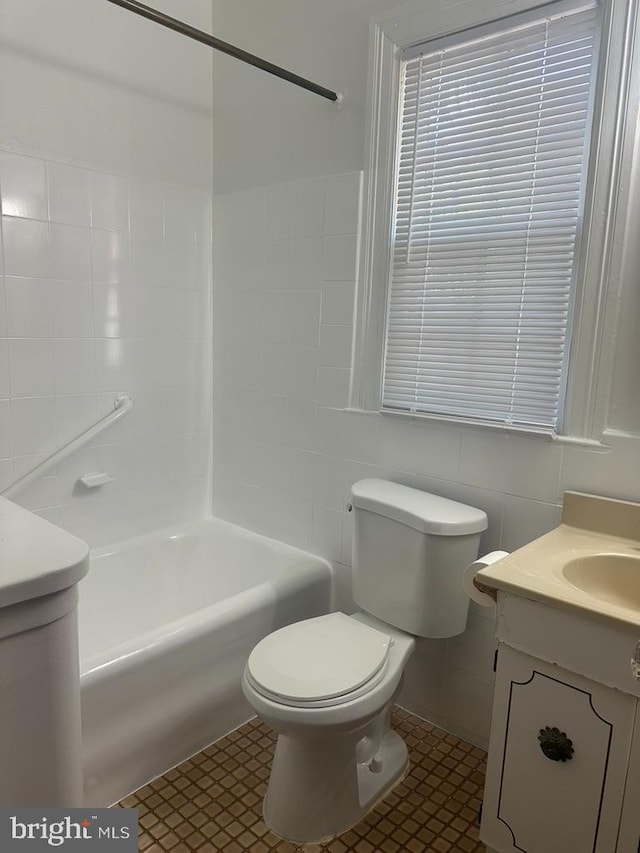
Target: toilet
[{"x": 327, "y": 685}]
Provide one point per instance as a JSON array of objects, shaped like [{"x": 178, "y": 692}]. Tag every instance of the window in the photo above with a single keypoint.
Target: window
[
  {"x": 491, "y": 152},
  {"x": 484, "y": 305}
]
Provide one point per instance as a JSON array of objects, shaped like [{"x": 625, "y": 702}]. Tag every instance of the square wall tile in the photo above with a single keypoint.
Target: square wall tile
[
  {"x": 245, "y": 267},
  {"x": 339, "y": 258},
  {"x": 526, "y": 520},
  {"x": 109, "y": 197},
  {"x": 333, "y": 387},
  {"x": 288, "y": 370},
  {"x": 484, "y": 459},
  {"x": 4, "y": 370},
  {"x": 308, "y": 208},
  {"x": 304, "y": 318},
  {"x": 338, "y": 303},
  {"x": 68, "y": 194},
  {"x": 534, "y": 468},
  {"x": 473, "y": 651},
  {"x": 5, "y": 430},
  {"x": 79, "y": 464},
  {"x": 121, "y": 462},
  {"x": 277, "y": 266},
  {"x": 253, "y": 318},
  {"x": 146, "y": 262},
  {"x": 335, "y": 346},
  {"x": 33, "y": 425},
  {"x": 306, "y": 261},
  {"x": 26, "y": 247},
  {"x": 146, "y": 204},
  {"x": 468, "y": 703},
  {"x": 23, "y": 186},
  {"x": 326, "y": 533},
  {"x": 342, "y": 204},
  {"x": 30, "y": 306},
  {"x": 74, "y": 366},
  {"x": 613, "y": 472},
  {"x": 276, "y": 316},
  {"x": 186, "y": 216},
  {"x": 278, "y": 212},
  {"x": 6, "y": 468},
  {"x": 301, "y": 422},
  {"x": 74, "y": 414},
  {"x": 246, "y": 216},
  {"x": 117, "y": 364},
  {"x": 420, "y": 448},
  {"x": 31, "y": 367},
  {"x": 110, "y": 257},
  {"x": 3, "y": 302},
  {"x": 72, "y": 313},
  {"x": 70, "y": 252},
  {"x": 41, "y": 494}
]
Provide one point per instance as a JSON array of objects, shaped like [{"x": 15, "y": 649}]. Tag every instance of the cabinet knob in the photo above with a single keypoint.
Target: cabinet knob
[{"x": 555, "y": 744}]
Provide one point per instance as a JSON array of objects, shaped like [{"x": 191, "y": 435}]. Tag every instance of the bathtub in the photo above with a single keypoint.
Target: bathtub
[{"x": 166, "y": 622}]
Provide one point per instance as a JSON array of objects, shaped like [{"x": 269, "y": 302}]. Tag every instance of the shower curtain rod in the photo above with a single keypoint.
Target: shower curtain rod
[{"x": 225, "y": 47}]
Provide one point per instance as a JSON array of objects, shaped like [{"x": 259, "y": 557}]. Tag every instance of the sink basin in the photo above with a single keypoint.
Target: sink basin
[{"x": 614, "y": 578}]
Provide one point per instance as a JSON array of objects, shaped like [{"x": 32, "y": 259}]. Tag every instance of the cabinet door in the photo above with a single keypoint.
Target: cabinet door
[
  {"x": 568, "y": 796},
  {"x": 629, "y": 838}
]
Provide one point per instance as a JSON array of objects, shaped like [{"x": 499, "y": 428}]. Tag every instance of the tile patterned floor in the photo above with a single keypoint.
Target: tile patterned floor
[{"x": 213, "y": 802}]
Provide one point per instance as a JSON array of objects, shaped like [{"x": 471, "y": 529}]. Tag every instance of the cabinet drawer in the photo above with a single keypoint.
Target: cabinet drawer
[{"x": 557, "y": 761}]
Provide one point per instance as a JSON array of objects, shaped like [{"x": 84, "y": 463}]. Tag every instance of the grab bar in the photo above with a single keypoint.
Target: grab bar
[{"x": 122, "y": 405}]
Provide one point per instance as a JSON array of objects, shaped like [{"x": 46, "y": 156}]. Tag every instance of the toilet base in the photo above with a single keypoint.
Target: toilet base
[{"x": 317, "y": 790}]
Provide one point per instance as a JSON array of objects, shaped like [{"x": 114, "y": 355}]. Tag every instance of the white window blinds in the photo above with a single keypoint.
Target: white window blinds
[{"x": 490, "y": 163}]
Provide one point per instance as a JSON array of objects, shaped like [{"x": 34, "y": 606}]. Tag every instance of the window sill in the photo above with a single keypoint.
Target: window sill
[{"x": 564, "y": 440}]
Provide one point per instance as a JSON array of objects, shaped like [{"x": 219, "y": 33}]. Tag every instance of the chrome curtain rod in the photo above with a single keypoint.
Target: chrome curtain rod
[{"x": 225, "y": 47}]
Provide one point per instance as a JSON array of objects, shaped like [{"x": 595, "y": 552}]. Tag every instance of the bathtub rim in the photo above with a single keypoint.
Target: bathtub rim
[{"x": 152, "y": 644}]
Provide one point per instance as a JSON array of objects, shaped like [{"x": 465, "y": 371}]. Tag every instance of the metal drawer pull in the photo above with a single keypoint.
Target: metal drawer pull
[{"x": 555, "y": 744}]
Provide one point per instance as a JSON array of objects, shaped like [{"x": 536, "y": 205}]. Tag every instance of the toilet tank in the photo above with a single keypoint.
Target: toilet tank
[{"x": 410, "y": 549}]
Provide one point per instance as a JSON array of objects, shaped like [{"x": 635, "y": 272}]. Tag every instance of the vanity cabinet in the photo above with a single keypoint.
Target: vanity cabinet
[
  {"x": 559, "y": 751},
  {"x": 559, "y": 669},
  {"x": 563, "y": 773}
]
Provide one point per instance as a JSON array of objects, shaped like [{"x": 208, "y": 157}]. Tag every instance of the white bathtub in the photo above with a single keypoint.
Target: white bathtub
[{"x": 166, "y": 622}]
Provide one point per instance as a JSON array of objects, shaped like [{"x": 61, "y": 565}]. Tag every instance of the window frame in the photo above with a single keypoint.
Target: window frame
[{"x": 608, "y": 177}]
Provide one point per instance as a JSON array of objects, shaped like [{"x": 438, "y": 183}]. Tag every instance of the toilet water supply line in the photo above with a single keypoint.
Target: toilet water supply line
[{"x": 122, "y": 405}]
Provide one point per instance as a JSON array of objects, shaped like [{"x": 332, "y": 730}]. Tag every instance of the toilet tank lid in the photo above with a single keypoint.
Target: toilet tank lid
[{"x": 421, "y": 510}]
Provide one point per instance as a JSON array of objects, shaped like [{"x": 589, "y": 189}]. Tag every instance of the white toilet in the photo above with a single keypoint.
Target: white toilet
[{"x": 327, "y": 685}]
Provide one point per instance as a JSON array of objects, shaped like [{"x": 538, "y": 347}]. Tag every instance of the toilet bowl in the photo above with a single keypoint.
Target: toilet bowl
[{"x": 326, "y": 685}]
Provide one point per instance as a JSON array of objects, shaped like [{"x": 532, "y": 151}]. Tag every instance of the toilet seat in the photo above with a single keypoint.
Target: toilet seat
[{"x": 319, "y": 662}]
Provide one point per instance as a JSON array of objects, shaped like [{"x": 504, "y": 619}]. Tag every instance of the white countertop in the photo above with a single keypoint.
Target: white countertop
[{"x": 36, "y": 557}]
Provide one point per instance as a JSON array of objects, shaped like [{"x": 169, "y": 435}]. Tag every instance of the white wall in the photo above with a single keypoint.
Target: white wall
[
  {"x": 285, "y": 269},
  {"x": 267, "y": 131},
  {"x": 105, "y": 181},
  {"x": 93, "y": 84}
]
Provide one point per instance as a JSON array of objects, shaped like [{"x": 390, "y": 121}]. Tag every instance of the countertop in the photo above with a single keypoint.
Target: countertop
[
  {"x": 590, "y": 525},
  {"x": 36, "y": 557}
]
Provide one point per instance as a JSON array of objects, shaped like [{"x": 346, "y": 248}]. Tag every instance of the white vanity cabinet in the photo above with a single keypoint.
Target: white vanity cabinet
[
  {"x": 560, "y": 747},
  {"x": 40, "y": 731},
  {"x": 563, "y": 773}
]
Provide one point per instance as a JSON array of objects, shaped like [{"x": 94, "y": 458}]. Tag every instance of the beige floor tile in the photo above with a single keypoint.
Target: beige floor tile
[{"x": 212, "y": 803}]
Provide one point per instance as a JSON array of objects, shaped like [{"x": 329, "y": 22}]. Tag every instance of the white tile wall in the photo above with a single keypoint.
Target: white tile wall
[
  {"x": 286, "y": 451},
  {"x": 106, "y": 289}
]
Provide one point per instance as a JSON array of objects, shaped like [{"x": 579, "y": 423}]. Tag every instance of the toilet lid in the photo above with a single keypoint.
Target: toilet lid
[{"x": 318, "y": 658}]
